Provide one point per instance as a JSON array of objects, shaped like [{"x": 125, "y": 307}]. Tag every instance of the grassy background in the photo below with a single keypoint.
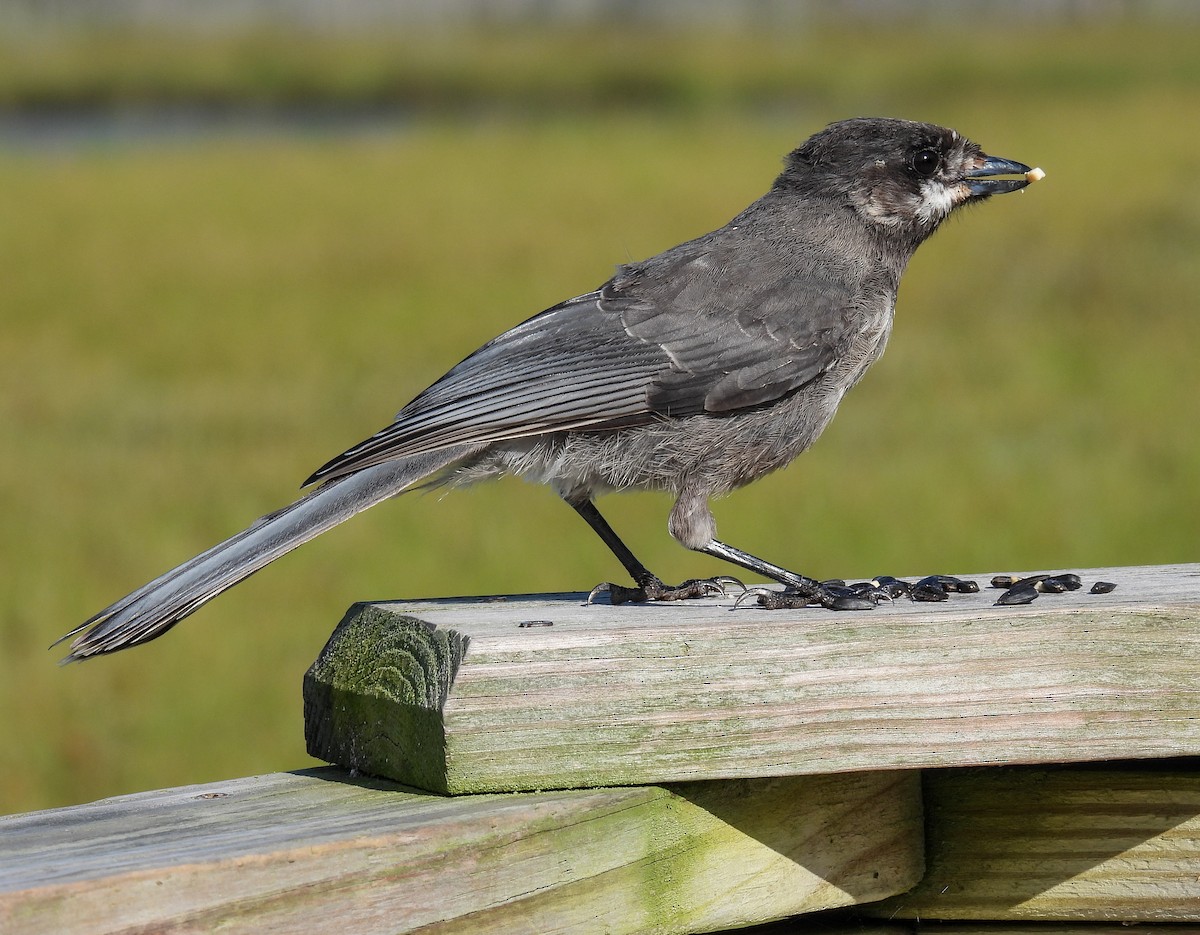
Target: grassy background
[{"x": 189, "y": 327}]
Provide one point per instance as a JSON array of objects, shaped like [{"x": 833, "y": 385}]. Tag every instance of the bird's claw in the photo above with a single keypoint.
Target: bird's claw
[
  {"x": 655, "y": 590},
  {"x": 831, "y": 595},
  {"x": 757, "y": 592}
]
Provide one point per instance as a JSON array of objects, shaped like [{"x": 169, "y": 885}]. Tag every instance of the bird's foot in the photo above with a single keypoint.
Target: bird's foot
[
  {"x": 834, "y": 595},
  {"x": 655, "y": 590}
]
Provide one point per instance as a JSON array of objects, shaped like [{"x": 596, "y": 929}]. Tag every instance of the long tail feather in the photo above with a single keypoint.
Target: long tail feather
[{"x": 154, "y": 608}]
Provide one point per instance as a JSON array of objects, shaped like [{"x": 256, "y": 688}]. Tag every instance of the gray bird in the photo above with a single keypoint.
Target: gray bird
[{"x": 696, "y": 372}]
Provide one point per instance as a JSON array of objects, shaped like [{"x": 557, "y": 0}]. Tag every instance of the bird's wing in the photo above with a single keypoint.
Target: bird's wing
[
  {"x": 572, "y": 366},
  {"x": 712, "y": 339},
  {"x": 741, "y": 329}
]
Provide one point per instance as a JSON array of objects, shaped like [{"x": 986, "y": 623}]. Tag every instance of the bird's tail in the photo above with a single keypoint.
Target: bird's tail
[{"x": 154, "y": 608}]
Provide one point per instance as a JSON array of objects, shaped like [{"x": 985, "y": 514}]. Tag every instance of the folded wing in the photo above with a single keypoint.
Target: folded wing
[{"x": 714, "y": 341}]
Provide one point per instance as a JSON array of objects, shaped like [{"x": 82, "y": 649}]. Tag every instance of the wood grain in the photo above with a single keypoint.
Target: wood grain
[
  {"x": 318, "y": 851},
  {"x": 1100, "y": 845},
  {"x": 696, "y": 690},
  {"x": 849, "y": 922}
]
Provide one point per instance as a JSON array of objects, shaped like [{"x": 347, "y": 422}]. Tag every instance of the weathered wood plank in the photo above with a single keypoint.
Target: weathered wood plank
[
  {"x": 317, "y": 851},
  {"x": 1042, "y": 928},
  {"x": 1101, "y": 844},
  {"x": 457, "y": 696},
  {"x": 836, "y": 922},
  {"x": 851, "y": 923}
]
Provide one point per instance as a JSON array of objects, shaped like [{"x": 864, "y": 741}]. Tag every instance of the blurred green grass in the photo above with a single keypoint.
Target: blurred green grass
[
  {"x": 190, "y": 329},
  {"x": 519, "y": 67}
]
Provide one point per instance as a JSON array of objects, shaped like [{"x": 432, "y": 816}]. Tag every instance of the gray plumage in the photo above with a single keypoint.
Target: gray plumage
[{"x": 694, "y": 372}]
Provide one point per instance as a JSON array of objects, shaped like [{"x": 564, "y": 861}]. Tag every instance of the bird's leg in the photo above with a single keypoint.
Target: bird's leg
[
  {"x": 802, "y": 584},
  {"x": 800, "y": 589},
  {"x": 692, "y": 525},
  {"x": 649, "y": 586}
]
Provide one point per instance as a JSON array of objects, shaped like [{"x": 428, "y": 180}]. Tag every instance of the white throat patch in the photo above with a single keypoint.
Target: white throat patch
[{"x": 937, "y": 201}]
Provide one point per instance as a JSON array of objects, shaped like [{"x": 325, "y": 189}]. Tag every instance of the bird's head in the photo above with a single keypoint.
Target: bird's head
[{"x": 898, "y": 175}]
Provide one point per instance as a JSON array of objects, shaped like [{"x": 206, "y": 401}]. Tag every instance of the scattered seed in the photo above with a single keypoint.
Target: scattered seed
[
  {"x": 929, "y": 590},
  {"x": 892, "y": 587},
  {"x": 959, "y": 585},
  {"x": 849, "y": 602},
  {"x": 1072, "y": 582},
  {"x": 836, "y": 594},
  {"x": 1017, "y": 594}
]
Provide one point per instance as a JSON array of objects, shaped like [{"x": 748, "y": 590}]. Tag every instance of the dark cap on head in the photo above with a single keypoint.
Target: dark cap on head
[{"x": 900, "y": 175}]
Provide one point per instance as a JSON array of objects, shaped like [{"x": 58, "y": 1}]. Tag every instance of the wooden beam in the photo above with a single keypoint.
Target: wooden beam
[
  {"x": 1038, "y": 928},
  {"x": 320, "y": 852},
  {"x": 539, "y": 692},
  {"x": 1102, "y": 845},
  {"x": 852, "y": 923}
]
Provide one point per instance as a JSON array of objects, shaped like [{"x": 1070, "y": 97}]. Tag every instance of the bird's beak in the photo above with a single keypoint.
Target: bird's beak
[{"x": 984, "y": 179}]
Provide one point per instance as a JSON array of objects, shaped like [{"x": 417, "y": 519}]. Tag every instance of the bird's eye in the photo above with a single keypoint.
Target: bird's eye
[{"x": 926, "y": 162}]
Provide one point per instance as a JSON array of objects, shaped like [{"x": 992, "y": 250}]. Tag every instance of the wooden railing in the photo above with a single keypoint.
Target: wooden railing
[{"x": 682, "y": 768}]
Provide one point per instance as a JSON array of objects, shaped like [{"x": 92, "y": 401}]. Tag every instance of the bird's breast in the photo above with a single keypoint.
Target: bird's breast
[{"x": 864, "y": 348}]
